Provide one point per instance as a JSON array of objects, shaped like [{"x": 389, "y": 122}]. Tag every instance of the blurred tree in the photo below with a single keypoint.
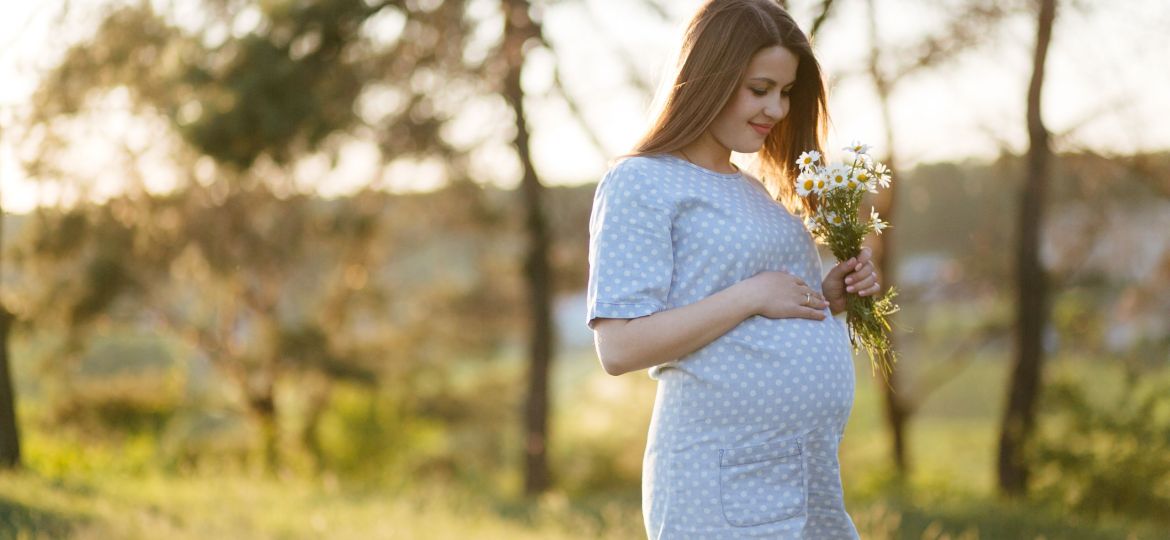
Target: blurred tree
[
  {"x": 181, "y": 264},
  {"x": 255, "y": 100},
  {"x": 520, "y": 28},
  {"x": 967, "y": 28},
  {"x": 1031, "y": 282},
  {"x": 9, "y": 432},
  {"x": 258, "y": 86}
]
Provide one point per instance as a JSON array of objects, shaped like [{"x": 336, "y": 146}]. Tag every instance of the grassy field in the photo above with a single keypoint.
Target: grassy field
[
  {"x": 241, "y": 507},
  {"x": 599, "y": 425}
]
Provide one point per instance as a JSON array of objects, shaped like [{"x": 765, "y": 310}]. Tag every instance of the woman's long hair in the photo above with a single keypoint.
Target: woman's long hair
[{"x": 718, "y": 45}]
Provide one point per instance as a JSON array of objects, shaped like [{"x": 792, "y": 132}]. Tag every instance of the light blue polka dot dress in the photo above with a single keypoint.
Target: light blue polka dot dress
[{"x": 745, "y": 431}]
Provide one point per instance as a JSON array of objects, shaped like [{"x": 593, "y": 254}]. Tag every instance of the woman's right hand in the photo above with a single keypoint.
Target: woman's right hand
[{"x": 780, "y": 295}]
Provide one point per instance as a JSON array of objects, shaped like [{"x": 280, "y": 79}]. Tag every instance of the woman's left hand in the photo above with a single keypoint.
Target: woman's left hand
[{"x": 856, "y": 275}]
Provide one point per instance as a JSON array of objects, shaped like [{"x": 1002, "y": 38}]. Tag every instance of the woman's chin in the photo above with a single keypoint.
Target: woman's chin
[{"x": 749, "y": 148}]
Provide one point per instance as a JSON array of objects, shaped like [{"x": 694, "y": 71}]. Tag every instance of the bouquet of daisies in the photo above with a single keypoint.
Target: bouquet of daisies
[{"x": 839, "y": 187}]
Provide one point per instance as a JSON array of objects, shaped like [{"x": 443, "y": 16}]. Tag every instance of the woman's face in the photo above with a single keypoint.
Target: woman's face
[{"x": 759, "y": 102}]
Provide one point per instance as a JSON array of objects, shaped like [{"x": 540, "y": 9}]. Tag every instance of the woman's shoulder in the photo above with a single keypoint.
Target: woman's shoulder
[
  {"x": 636, "y": 165},
  {"x": 643, "y": 179},
  {"x": 638, "y": 173}
]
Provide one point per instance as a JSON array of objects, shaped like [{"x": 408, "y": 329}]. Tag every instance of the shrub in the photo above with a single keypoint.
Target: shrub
[{"x": 1112, "y": 459}]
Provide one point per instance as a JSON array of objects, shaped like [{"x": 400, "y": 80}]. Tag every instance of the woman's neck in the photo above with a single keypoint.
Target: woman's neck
[{"x": 707, "y": 153}]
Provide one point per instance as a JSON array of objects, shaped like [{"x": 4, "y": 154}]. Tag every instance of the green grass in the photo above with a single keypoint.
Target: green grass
[
  {"x": 241, "y": 506},
  {"x": 75, "y": 489},
  {"x": 153, "y": 507}
]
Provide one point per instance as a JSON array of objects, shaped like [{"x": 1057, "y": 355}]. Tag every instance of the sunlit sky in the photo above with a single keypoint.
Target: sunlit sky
[{"x": 1107, "y": 88}]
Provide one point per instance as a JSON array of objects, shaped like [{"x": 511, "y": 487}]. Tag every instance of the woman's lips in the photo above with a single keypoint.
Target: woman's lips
[{"x": 762, "y": 129}]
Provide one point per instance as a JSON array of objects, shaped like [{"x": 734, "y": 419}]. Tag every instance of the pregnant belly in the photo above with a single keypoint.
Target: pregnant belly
[
  {"x": 766, "y": 374},
  {"x": 823, "y": 342}
]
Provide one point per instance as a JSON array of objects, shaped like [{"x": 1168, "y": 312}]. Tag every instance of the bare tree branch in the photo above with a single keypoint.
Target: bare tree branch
[
  {"x": 633, "y": 73},
  {"x": 940, "y": 373},
  {"x": 826, "y": 5},
  {"x": 967, "y": 29},
  {"x": 574, "y": 105}
]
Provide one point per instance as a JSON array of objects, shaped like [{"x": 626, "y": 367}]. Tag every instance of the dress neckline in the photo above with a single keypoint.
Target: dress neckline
[{"x": 730, "y": 176}]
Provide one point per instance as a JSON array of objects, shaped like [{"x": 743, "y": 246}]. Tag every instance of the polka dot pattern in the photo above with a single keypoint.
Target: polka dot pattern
[{"x": 745, "y": 431}]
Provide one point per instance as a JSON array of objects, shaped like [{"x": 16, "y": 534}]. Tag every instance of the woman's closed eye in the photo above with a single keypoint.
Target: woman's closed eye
[{"x": 759, "y": 92}]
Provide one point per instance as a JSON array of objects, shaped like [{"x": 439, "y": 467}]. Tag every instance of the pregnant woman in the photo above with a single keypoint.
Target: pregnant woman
[{"x": 707, "y": 276}]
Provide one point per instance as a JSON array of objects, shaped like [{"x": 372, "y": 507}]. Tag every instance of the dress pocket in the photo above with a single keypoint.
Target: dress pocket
[{"x": 762, "y": 483}]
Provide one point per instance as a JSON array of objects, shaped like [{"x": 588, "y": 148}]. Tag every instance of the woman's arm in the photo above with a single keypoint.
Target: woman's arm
[{"x": 625, "y": 345}]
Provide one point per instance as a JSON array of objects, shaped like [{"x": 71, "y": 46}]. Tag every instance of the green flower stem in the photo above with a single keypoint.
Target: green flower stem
[{"x": 867, "y": 317}]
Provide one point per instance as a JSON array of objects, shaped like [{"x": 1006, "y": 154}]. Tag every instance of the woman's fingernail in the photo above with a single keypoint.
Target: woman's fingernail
[{"x": 849, "y": 288}]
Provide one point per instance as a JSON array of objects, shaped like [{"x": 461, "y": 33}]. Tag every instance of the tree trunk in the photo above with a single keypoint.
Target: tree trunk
[
  {"x": 263, "y": 407},
  {"x": 897, "y": 412},
  {"x": 9, "y": 436},
  {"x": 518, "y": 29},
  {"x": 1031, "y": 309},
  {"x": 260, "y": 385},
  {"x": 319, "y": 392}
]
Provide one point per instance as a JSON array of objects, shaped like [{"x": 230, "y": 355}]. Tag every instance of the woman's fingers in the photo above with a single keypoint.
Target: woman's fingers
[
  {"x": 863, "y": 270},
  {"x": 866, "y": 288},
  {"x": 863, "y": 257},
  {"x": 863, "y": 284},
  {"x": 810, "y": 313},
  {"x": 812, "y": 299}
]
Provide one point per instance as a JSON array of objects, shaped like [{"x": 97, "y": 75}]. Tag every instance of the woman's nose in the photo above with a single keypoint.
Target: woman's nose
[{"x": 777, "y": 110}]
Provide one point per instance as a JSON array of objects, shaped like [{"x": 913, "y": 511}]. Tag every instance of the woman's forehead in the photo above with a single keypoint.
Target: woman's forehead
[{"x": 774, "y": 65}]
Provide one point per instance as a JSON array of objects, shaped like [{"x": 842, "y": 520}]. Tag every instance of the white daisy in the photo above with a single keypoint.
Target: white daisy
[
  {"x": 832, "y": 218},
  {"x": 806, "y": 184},
  {"x": 864, "y": 180},
  {"x": 808, "y": 160},
  {"x": 838, "y": 177},
  {"x": 867, "y": 180},
  {"x": 883, "y": 175},
  {"x": 857, "y": 147},
  {"x": 878, "y": 224}
]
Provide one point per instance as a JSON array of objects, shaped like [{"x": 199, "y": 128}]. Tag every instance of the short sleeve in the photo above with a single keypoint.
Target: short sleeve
[{"x": 631, "y": 256}]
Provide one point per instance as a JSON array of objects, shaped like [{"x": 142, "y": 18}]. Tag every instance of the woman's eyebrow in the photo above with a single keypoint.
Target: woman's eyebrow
[{"x": 770, "y": 82}]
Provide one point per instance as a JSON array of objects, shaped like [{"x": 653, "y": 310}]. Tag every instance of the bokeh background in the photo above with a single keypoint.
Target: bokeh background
[{"x": 316, "y": 268}]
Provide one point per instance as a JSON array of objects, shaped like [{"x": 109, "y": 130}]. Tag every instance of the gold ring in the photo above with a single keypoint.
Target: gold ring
[{"x": 807, "y": 299}]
